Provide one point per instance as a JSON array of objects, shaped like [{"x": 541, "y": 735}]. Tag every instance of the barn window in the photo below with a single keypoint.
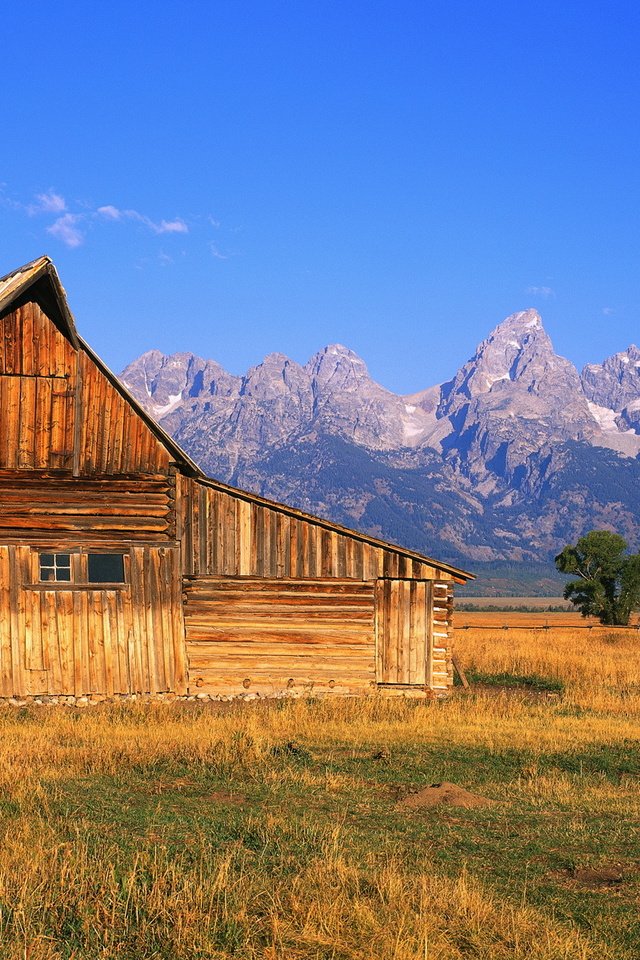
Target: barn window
[
  {"x": 105, "y": 568},
  {"x": 55, "y": 566}
]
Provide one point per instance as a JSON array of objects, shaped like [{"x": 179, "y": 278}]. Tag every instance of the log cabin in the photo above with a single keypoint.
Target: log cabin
[{"x": 124, "y": 569}]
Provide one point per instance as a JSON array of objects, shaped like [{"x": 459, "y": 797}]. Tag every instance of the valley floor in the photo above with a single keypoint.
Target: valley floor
[{"x": 188, "y": 831}]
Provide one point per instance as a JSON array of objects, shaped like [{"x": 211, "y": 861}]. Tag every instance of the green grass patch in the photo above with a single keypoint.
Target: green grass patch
[{"x": 531, "y": 681}]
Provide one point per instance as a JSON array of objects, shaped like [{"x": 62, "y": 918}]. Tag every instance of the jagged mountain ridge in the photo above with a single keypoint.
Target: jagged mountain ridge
[{"x": 502, "y": 461}]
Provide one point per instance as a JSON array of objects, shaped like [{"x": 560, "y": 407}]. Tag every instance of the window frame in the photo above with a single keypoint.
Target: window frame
[
  {"x": 55, "y": 566},
  {"x": 79, "y": 568}
]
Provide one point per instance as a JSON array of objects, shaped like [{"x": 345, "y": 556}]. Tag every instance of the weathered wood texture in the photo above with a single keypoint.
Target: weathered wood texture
[
  {"x": 114, "y": 439},
  {"x": 255, "y": 634},
  {"x": 39, "y": 507},
  {"x": 413, "y": 633},
  {"x": 80, "y": 639},
  {"x": 442, "y": 632},
  {"x": 38, "y": 390},
  {"x": 59, "y": 412},
  {"x": 228, "y": 534}
]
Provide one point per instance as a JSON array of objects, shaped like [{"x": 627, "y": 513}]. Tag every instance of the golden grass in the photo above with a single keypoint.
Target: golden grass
[
  {"x": 72, "y": 887},
  {"x": 600, "y": 668}
]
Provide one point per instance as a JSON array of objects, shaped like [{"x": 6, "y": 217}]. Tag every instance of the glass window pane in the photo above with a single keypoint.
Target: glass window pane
[
  {"x": 55, "y": 566},
  {"x": 106, "y": 568}
]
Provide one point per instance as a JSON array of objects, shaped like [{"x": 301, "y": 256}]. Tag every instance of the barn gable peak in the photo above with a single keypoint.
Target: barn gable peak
[{"x": 39, "y": 281}]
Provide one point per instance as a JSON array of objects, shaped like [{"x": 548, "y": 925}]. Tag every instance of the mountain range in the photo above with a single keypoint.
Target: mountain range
[{"x": 512, "y": 458}]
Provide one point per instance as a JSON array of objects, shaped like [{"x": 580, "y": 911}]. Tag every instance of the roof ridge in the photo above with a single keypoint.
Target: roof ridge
[{"x": 39, "y": 261}]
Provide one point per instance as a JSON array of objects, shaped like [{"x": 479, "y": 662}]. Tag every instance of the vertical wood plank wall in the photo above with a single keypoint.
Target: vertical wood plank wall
[
  {"x": 60, "y": 412},
  {"x": 227, "y": 534},
  {"x": 413, "y": 633},
  {"x": 128, "y": 638},
  {"x": 403, "y": 631},
  {"x": 38, "y": 386}
]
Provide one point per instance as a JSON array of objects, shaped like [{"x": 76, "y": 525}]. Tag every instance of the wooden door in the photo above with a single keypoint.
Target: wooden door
[{"x": 404, "y": 632}]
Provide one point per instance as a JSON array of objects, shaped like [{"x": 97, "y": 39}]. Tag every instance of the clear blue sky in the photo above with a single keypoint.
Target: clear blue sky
[{"x": 236, "y": 178}]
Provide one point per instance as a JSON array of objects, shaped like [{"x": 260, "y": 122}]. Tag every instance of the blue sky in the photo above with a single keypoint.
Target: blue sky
[{"x": 239, "y": 178}]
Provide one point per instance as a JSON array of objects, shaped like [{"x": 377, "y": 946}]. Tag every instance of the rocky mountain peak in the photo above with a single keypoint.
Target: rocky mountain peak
[
  {"x": 162, "y": 383},
  {"x": 518, "y": 349},
  {"x": 337, "y": 365},
  {"x": 276, "y": 376},
  {"x": 613, "y": 389},
  {"x": 511, "y": 397},
  {"x": 479, "y": 453}
]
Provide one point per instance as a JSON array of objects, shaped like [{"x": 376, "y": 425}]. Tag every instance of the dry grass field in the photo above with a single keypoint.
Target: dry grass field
[
  {"x": 532, "y": 618},
  {"x": 277, "y": 830}
]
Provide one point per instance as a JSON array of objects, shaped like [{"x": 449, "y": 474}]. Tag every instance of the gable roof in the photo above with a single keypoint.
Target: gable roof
[{"x": 39, "y": 280}]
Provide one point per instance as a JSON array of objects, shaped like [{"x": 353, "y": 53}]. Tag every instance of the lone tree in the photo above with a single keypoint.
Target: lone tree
[{"x": 609, "y": 578}]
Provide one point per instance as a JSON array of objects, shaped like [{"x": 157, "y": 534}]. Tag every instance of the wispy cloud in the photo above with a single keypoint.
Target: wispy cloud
[
  {"x": 109, "y": 212},
  {"x": 50, "y": 202},
  {"x": 72, "y": 222},
  {"x": 66, "y": 228},
  {"x": 608, "y": 311},
  {"x": 545, "y": 292},
  {"x": 216, "y": 253}
]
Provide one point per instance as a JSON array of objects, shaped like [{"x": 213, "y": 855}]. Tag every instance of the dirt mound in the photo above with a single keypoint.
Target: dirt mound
[
  {"x": 446, "y": 794},
  {"x": 604, "y": 875}
]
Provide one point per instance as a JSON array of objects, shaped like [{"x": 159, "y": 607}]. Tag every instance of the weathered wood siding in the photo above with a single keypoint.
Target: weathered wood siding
[
  {"x": 38, "y": 507},
  {"x": 59, "y": 412},
  {"x": 81, "y": 470},
  {"x": 113, "y": 438},
  {"x": 268, "y": 635},
  {"x": 413, "y": 633},
  {"x": 38, "y": 392},
  {"x": 77, "y": 639},
  {"x": 228, "y": 534}
]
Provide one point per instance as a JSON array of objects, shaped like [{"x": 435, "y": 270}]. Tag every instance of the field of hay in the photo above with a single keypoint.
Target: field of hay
[
  {"x": 510, "y": 619},
  {"x": 282, "y": 830}
]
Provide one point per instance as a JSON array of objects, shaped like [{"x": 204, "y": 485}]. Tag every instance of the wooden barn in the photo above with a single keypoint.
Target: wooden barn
[{"x": 124, "y": 569}]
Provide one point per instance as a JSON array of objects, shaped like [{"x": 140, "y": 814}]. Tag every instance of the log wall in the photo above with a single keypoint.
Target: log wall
[
  {"x": 38, "y": 507},
  {"x": 344, "y": 635},
  {"x": 270, "y": 635}
]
